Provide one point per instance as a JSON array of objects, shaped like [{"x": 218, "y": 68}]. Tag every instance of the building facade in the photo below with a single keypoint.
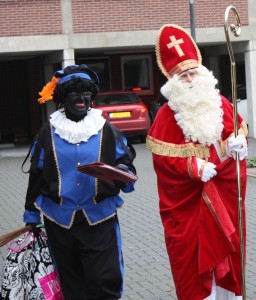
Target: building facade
[{"x": 117, "y": 39}]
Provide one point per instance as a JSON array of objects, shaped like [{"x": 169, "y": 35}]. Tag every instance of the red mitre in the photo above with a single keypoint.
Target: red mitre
[{"x": 176, "y": 51}]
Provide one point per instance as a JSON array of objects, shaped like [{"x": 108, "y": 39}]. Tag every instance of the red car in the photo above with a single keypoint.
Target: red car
[{"x": 126, "y": 111}]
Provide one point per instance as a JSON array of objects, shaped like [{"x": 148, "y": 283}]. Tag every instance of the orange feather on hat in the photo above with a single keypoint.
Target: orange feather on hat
[{"x": 48, "y": 90}]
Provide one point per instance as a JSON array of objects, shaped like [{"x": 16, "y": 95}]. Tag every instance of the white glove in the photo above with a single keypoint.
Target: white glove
[
  {"x": 237, "y": 144},
  {"x": 206, "y": 169}
]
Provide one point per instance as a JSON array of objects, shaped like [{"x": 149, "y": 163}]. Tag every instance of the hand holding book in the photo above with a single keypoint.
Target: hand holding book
[{"x": 107, "y": 173}]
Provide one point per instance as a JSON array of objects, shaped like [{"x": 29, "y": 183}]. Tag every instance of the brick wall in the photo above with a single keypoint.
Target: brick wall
[
  {"x": 128, "y": 15},
  {"x": 30, "y": 17},
  {"x": 38, "y": 17}
]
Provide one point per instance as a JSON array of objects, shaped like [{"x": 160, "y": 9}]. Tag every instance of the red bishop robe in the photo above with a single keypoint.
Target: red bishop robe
[{"x": 201, "y": 223}]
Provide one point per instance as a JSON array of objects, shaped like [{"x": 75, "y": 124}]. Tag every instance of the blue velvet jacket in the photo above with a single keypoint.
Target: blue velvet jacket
[{"x": 58, "y": 190}]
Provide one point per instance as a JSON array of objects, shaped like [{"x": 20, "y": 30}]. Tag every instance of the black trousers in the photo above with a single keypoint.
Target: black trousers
[{"x": 88, "y": 258}]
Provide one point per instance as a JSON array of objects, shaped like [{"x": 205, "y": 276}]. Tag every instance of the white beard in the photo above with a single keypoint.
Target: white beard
[{"x": 197, "y": 106}]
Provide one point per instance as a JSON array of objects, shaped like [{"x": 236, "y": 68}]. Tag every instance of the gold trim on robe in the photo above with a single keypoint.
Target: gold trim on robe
[
  {"x": 186, "y": 150},
  {"x": 177, "y": 150},
  {"x": 57, "y": 166}
]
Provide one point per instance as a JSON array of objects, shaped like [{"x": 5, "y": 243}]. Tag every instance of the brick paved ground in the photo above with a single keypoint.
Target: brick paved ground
[{"x": 147, "y": 272}]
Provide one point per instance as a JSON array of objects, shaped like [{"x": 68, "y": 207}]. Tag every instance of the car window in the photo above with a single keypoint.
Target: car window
[{"x": 116, "y": 99}]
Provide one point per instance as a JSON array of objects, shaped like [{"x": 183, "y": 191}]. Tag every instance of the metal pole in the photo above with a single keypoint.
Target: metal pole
[
  {"x": 192, "y": 19},
  {"x": 236, "y": 30}
]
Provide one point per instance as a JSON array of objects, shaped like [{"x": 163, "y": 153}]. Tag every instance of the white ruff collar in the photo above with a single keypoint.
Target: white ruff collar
[{"x": 76, "y": 132}]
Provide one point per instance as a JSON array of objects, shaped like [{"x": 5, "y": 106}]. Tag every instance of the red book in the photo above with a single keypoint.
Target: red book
[{"x": 107, "y": 173}]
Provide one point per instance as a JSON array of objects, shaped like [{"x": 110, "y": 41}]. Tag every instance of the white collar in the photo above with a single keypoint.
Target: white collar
[{"x": 76, "y": 132}]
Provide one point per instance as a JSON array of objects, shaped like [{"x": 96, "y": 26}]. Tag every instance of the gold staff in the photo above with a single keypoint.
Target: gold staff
[{"x": 236, "y": 30}]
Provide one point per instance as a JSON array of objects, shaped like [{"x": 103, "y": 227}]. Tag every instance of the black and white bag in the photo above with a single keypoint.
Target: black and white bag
[{"x": 29, "y": 272}]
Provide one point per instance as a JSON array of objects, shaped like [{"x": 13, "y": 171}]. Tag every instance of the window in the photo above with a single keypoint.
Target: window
[
  {"x": 137, "y": 73},
  {"x": 101, "y": 67}
]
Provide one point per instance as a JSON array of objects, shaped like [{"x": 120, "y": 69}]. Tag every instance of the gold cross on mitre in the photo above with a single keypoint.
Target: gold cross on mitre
[{"x": 176, "y": 43}]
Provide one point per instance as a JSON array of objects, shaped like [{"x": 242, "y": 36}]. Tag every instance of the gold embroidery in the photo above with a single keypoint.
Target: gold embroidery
[
  {"x": 174, "y": 150},
  {"x": 222, "y": 145},
  {"x": 183, "y": 66},
  {"x": 200, "y": 173},
  {"x": 176, "y": 44},
  {"x": 100, "y": 221},
  {"x": 190, "y": 149},
  {"x": 57, "y": 166},
  {"x": 190, "y": 171},
  {"x": 73, "y": 217},
  {"x": 214, "y": 214},
  {"x": 96, "y": 179},
  {"x": 242, "y": 131},
  {"x": 54, "y": 221}
]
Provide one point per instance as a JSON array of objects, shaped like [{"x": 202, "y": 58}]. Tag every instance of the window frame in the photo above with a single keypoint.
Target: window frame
[{"x": 149, "y": 91}]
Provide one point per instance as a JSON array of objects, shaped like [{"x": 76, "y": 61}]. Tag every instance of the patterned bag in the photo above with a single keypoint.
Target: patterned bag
[{"x": 29, "y": 272}]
